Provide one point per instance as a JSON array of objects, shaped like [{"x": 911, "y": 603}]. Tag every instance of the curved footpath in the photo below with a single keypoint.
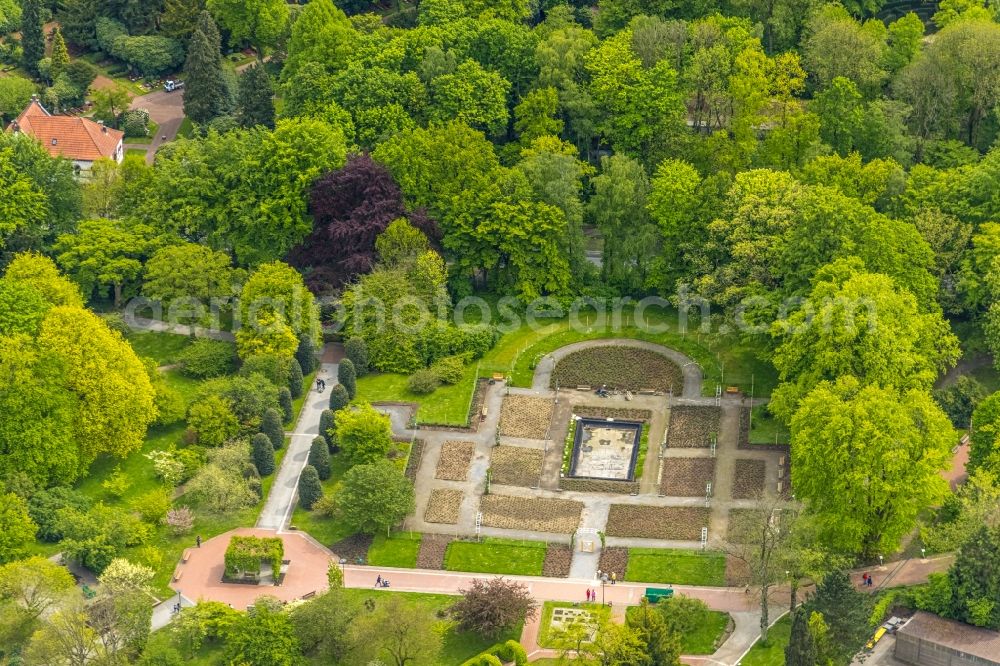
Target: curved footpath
[{"x": 693, "y": 377}]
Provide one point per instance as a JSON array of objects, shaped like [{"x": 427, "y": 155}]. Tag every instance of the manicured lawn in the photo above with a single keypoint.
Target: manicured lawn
[
  {"x": 325, "y": 529},
  {"x": 773, "y": 653},
  {"x": 703, "y": 639},
  {"x": 724, "y": 358},
  {"x": 679, "y": 567},
  {"x": 765, "y": 429},
  {"x": 494, "y": 555},
  {"x": 162, "y": 347},
  {"x": 545, "y": 632},
  {"x": 447, "y": 405},
  {"x": 135, "y": 151},
  {"x": 457, "y": 646},
  {"x": 399, "y": 550}
]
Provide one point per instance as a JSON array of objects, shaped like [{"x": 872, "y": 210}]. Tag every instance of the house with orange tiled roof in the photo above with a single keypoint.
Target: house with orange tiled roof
[{"x": 81, "y": 140}]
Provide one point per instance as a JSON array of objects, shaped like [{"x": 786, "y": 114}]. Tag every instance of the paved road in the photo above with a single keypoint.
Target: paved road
[
  {"x": 281, "y": 500},
  {"x": 167, "y": 111}
]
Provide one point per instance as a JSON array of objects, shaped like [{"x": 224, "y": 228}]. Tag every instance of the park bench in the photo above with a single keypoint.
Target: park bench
[
  {"x": 654, "y": 594},
  {"x": 186, "y": 555},
  {"x": 177, "y": 574}
]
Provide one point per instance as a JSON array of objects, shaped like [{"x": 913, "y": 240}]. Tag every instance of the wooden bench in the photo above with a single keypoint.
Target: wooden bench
[
  {"x": 186, "y": 555},
  {"x": 582, "y": 387},
  {"x": 309, "y": 595},
  {"x": 177, "y": 574},
  {"x": 485, "y": 411}
]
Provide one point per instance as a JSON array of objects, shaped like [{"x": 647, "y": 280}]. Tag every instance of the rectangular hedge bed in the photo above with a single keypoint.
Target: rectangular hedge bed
[
  {"x": 677, "y": 523},
  {"x": 496, "y": 556},
  {"x": 676, "y": 566}
]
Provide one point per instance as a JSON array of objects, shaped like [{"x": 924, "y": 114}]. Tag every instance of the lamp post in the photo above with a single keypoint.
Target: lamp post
[{"x": 343, "y": 572}]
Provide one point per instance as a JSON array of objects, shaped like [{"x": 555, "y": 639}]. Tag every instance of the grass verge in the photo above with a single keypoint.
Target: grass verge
[
  {"x": 161, "y": 347},
  {"x": 676, "y": 566},
  {"x": 398, "y": 550},
  {"x": 497, "y": 556},
  {"x": 771, "y": 653}
]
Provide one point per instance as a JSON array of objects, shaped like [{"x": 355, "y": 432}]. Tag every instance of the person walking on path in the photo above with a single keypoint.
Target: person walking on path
[
  {"x": 197, "y": 540},
  {"x": 614, "y": 577}
]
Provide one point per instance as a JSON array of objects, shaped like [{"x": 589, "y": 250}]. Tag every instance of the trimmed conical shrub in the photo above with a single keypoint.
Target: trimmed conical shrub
[
  {"x": 339, "y": 397},
  {"x": 285, "y": 400},
  {"x": 347, "y": 375},
  {"x": 271, "y": 426},
  {"x": 295, "y": 378},
  {"x": 310, "y": 489},
  {"x": 319, "y": 457},
  {"x": 263, "y": 453}
]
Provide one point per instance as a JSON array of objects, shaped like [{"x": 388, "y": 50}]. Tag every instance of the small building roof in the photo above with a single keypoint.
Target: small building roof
[
  {"x": 67, "y": 136},
  {"x": 959, "y": 636}
]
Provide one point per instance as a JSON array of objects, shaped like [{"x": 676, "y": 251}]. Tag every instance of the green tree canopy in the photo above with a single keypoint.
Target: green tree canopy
[
  {"x": 374, "y": 496},
  {"x": 881, "y": 448},
  {"x": 363, "y": 433},
  {"x": 862, "y": 325}
]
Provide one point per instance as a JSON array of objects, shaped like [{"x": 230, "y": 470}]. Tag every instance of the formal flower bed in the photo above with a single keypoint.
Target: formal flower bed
[
  {"x": 602, "y": 412},
  {"x": 515, "y": 466},
  {"x": 354, "y": 548},
  {"x": 686, "y": 477},
  {"x": 525, "y": 416},
  {"x": 443, "y": 506},
  {"x": 453, "y": 463},
  {"x": 558, "y": 557},
  {"x": 748, "y": 478},
  {"x": 432, "y": 550},
  {"x": 531, "y": 513},
  {"x": 618, "y": 366},
  {"x": 692, "y": 427},
  {"x": 678, "y": 523},
  {"x": 614, "y": 559}
]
